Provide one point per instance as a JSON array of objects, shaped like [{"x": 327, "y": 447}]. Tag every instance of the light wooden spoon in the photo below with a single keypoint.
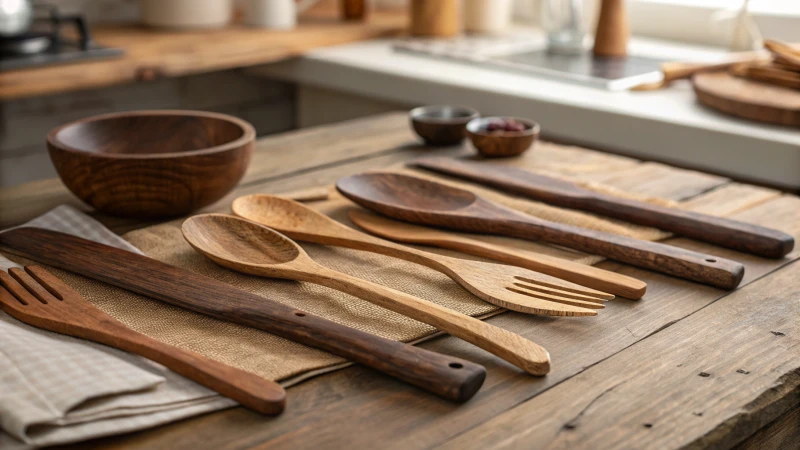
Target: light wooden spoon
[
  {"x": 582, "y": 274},
  {"x": 254, "y": 249},
  {"x": 506, "y": 286}
]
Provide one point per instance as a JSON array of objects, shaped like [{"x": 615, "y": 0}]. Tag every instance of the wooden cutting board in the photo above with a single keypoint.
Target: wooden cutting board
[{"x": 748, "y": 99}]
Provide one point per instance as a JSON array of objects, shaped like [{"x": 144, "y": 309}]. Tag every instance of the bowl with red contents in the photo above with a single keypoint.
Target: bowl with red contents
[{"x": 497, "y": 137}]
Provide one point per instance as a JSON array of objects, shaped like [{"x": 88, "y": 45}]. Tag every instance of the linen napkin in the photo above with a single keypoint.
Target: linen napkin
[{"x": 55, "y": 389}]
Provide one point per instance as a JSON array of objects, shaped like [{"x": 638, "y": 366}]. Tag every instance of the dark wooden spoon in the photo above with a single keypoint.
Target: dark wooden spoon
[{"x": 427, "y": 202}]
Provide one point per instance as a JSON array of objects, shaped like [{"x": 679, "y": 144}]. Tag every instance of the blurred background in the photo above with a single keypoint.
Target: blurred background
[{"x": 343, "y": 59}]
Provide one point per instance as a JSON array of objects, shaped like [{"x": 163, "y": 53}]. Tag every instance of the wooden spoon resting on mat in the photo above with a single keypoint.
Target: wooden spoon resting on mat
[
  {"x": 428, "y": 202},
  {"x": 508, "y": 287},
  {"x": 248, "y": 247},
  {"x": 583, "y": 274}
]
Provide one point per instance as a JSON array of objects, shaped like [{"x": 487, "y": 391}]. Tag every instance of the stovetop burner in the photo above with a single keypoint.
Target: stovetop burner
[{"x": 46, "y": 45}]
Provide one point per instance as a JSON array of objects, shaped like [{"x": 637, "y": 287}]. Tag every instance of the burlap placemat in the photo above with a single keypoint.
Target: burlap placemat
[{"x": 278, "y": 359}]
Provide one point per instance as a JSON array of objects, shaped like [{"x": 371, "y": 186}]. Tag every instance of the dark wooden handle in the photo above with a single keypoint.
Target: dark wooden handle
[
  {"x": 724, "y": 232},
  {"x": 676, "y": 261},
  {"x": 446, "y": 376},
  {"x": 727, "y": 233}
]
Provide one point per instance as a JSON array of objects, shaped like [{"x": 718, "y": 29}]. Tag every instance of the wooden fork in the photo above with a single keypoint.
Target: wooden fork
[
  {"x": 509, "y": 287},
  {"x": 42, "y": 300}
]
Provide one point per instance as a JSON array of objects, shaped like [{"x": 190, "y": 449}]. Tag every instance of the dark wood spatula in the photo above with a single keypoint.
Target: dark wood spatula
[
  {"x": 427, "y": 202},
  {"x": 733, "y": 234}
]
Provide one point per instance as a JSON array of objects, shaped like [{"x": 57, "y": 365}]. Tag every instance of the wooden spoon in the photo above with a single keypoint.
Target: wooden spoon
[
  {"x": 583, "y": 274},
  {"x": 254, "y": 249},
  {"x": 427, "y": 202},
  {"x": 505, "y": 286}
]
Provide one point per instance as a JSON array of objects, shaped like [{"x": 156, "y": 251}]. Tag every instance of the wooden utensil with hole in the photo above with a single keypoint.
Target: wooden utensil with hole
[
  {"x": 505, "y": 286},
  {"x": 582, "y": 274},
  {"x": 446, "y": 376},
  {"x": 248, "y": 247},
  {"x": 428, "y": 202},
  {"x": 38, "y": 298},
  {"x": 724, "y": 232}
]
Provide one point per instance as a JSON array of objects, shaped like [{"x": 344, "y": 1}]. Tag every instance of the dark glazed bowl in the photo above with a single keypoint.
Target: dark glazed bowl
[
  {"x": 505, "y": 143},
  {"x": 442, "y": 125},
  {"x": 152, "y": 164}
]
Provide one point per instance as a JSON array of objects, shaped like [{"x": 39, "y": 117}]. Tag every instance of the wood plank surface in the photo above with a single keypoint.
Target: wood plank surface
[
  {"x": 709, "y": 380},
  {"x": 357, "y": 408},
  {"x": 153, "y": 53}
]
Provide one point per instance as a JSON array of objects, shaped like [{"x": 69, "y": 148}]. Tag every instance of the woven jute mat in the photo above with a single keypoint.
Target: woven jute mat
[{"x": 278, "y": 359}]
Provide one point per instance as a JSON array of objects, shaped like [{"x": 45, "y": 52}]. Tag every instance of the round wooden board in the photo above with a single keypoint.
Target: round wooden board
[{"x": 748, "y": 99}]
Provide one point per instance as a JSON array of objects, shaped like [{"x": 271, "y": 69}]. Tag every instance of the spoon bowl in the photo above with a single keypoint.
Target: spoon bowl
[
  {"x": 414, "y": 194},
  {"x": 229, "y": 240}
]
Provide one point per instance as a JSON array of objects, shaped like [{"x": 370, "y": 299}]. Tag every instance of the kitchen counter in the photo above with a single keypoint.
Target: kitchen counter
[
  {"x": 152, "y": 53},
  {"x": 687, "y": 366},
  {"x": 667, "y": 125}
]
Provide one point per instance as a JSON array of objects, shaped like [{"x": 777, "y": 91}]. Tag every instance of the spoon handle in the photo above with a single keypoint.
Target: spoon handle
[
  {"x": 512, "y": 347},
  {"x": 669, "y": 259},
  {"x": 446, "y": 376}
]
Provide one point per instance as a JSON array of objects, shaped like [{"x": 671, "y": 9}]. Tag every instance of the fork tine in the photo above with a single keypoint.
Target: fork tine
[
  {"x": 556, "y": 299},
  {"x": 566, "y": 286},
  {"x": 558, "y": 292},
  {"x": 16, "y": 290},
  {"x": 31, "y": 285},
  {"x": 50, "y": 282}
]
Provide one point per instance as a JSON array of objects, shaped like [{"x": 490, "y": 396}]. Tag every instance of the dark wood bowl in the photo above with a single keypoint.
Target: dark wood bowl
[
  {"x": 442, "y": 125},
  {"x": 152, "y": 164},
  {"x": 502, "y": 144}
]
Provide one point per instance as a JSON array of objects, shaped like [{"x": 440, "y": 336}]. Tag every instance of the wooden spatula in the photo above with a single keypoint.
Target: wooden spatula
[{"x": 42, "y": 300}]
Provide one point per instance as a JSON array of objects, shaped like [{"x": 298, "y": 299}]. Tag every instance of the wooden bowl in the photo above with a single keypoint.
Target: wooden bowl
[
  {"x": 152, "y": 164},
  {"x": 442, "y": 125},
  {"x": 505, "y": 143}
]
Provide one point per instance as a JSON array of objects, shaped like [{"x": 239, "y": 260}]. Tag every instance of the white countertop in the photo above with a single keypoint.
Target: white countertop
[{"x": 667, "y": 125}]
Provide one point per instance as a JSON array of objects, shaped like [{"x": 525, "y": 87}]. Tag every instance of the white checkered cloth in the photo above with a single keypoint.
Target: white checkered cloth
[{"x": 55, "y": 389}]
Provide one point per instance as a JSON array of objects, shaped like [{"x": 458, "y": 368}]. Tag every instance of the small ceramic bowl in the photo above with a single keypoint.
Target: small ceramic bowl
[
  {"x": 499, "y": 144},
  {"x": 442, "y": 125},
  {"x": 152, "y": 164}
]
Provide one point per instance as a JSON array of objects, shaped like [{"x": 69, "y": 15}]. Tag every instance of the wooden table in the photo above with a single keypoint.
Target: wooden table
[
  {"x": 687, "y": 366},
  {"x": 153, "y": 53}
]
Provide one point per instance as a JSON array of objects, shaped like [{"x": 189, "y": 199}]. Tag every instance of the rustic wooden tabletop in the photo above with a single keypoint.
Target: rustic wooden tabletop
[{"x": 687, "y": 366}]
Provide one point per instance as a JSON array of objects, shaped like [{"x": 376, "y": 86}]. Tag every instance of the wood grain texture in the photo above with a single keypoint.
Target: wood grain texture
[
  {"x": 613, "y": 30},
  {"x": 724, "y": 232},
  {"x": 748, "y": 99},
  {"x": 151, "y": 54},
  {"x": 508, "y": 287},
  {"x": 152, "y": 164},
  {"x": 451, "y": 378},
  {"x": 254, "y": 249},
  {"x": 782, "y": 434},
  {"x": 38, "y": 298},
  {"x": 358, "y": 407},
  {"x": 582, "y": 274},
  {"x": 422, "y": 201},
  {"x": 692, "y": 388}
]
